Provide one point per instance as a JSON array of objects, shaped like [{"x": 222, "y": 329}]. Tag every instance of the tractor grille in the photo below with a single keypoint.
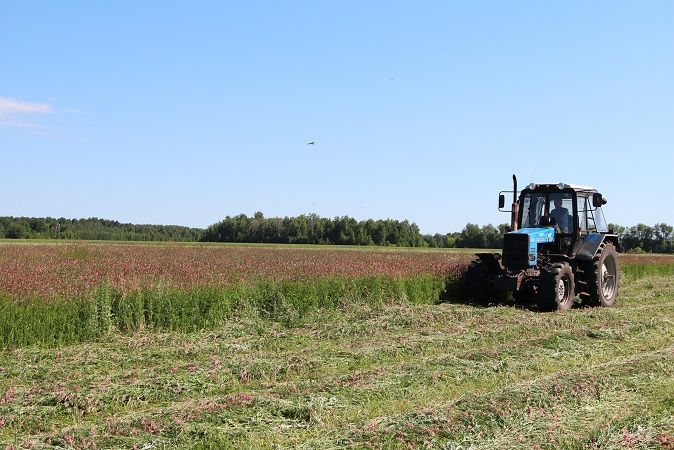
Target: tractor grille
[{"x": 516, "y": 250}]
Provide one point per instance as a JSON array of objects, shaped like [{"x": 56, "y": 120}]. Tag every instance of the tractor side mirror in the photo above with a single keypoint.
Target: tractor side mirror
[
  {"x": 501, "y": 201},
  {"x": 598, "y": 200}
]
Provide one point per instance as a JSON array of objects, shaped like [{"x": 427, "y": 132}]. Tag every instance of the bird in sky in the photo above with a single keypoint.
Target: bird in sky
[{"x": 312, "y": 143}]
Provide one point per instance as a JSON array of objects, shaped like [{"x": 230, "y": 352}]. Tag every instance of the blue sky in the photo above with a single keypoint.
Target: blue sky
[{"x": 160, "y": 112}]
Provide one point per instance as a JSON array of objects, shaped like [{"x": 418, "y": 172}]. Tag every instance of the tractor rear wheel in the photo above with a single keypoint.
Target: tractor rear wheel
[
  {"x": 478, "y": 278},
  {"x": 602, "y": 283},
  {"x": 557, "y": 287}
]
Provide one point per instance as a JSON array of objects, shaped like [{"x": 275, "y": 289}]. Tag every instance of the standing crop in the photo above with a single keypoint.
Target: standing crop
[{"x": 66, "y": 270}]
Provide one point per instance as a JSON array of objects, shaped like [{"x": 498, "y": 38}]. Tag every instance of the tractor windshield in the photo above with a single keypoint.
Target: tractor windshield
[
  {"x": 561, "y": 210},
  {"x": 533, "y": 208},
  {"x": 543, "y": 209}
]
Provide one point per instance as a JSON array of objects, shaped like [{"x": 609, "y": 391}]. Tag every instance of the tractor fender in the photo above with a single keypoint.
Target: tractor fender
[{"x": 587, "y": 249}]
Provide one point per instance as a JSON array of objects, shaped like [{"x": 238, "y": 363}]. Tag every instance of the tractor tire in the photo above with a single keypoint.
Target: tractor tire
[
  {"x": 557, "y": 287},
  {"x": 603, "y": 276},
  {"x": 478, "y": 282}
]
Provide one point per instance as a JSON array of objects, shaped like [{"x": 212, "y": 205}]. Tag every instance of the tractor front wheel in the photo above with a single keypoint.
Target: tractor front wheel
[{"x": 557, "y": 287}]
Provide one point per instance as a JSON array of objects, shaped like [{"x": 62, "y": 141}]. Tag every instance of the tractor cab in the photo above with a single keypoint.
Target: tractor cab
[
  {"x": 573, "y": 209},
  {"x": 554, "y": 219}
]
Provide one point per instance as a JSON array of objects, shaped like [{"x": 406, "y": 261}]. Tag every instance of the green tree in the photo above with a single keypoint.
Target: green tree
[
  {"x": 18, "y": 230},
  {"x": 471, "y": 236}
]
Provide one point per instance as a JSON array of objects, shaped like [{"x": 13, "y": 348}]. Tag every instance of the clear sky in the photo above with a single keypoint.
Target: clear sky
[{"x": 183, "y": 113}]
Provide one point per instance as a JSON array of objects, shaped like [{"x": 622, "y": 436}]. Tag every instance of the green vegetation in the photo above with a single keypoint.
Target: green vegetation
[
  {"x": 312, "y": 229},
  {"x": 642, "y": 238},
  {"x": 371, "y": 373},
  {"x": 161, "y": 308},
  {"x": 636, "y": 271},
  {"x": 93, "y": 229},
  {"x": 61, "y": 321}
]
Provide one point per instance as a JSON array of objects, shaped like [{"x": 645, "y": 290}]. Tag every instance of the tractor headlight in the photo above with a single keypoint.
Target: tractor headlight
[
  {"x": 532, "y": 186},
  {"x": 560, "y": 186}
]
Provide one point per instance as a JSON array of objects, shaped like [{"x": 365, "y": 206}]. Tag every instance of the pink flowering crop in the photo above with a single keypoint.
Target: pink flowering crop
[
  {"x": 48, "y": 270},
  {"x": 645, "y": 258}
]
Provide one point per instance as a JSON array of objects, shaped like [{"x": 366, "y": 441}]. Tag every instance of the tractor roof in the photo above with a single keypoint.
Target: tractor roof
[{"x": 555, "y": 186}]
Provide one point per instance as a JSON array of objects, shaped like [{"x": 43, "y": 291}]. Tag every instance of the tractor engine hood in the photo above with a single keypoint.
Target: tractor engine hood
[{"x": 520, "y": 247}]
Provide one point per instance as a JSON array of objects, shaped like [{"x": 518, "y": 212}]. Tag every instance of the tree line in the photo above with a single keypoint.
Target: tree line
[
  {"x": 642, "y": 238},
  {"x": 312, "y": 229},
  {"x": 92, "y": 229},
  {"x": 305, "y": 229}
]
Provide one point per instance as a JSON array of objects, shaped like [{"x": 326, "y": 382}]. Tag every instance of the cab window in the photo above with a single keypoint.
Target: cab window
[{"x": 585, "y": 215}]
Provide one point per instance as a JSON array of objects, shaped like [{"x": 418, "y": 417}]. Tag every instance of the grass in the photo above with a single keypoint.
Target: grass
[
  {"x": 60, "y": 321},
  {"x": 163, "y": 307},
  {"x": 635, "y": 271},
  {"x": 385, "y": 372}
]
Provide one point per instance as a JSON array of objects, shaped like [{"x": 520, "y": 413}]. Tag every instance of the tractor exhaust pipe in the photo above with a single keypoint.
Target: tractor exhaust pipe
[{"x": 515, "y": 206}]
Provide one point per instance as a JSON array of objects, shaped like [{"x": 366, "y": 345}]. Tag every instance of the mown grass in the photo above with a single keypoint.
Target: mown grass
[{"x": 380, "y": 374}]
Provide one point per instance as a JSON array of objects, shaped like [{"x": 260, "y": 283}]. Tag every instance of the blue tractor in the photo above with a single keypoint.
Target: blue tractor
[{"x": 558, "y": 247}]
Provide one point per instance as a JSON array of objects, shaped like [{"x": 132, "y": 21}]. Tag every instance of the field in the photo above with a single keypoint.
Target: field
[{"x": 163, "y": 346}]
